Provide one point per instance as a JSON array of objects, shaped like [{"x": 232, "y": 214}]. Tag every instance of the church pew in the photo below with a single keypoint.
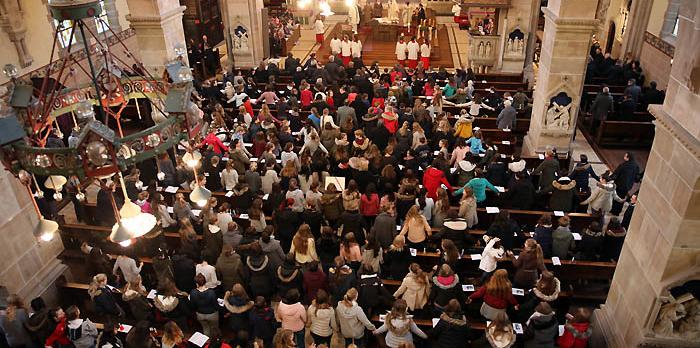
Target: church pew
[{"x": 625, "y": 133}]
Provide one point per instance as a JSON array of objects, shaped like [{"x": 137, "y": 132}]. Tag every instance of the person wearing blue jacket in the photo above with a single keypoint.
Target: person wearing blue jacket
[
  {"x": 479, "y": 185},
  {"x": 581, "y": 172},
  {"x": 476, "y": 144}
]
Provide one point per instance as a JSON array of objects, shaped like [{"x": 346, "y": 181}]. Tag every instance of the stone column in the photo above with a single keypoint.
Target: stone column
[
  {"x": 112, "y": 15},
  {"x": 158, "y": 27},
  {"x": 247, "y": 49},
  {"x": 529, "y": 70},
  {"x": 28, "y": 267},
  {"x": 662, "y": 247},
  {"x": 12, "y": 22},
  {"x": 569, "y": 25},
  {"x": 633, "y": 38}
]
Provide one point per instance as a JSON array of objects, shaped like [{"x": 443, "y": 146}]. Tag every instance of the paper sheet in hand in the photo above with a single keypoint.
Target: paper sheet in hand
[
  {"x": 198, "y": 339},
  {"x": 339, "y": 182},
  {"x": 475, "y": 256},
  {"x": 501, "y": 189},
  {"x": 558, "y": 213},
  {"x": 556, "y": 261},
  {"x": 577, "y": 236},
  {"x": 492, "y": 210},
  {"x": 382, "y": 317},
  {"x": 124, "y": 328},
  {"x": 196, "y": 212},
  {"x": 414, "y": 252},
  {"x": 171, "y": 189},
  {"x": 170, "y": 210},
  {"x": 435, "y": 321},
  {"x": 152, "y": 294},
  {"x": 518, "y": 328},
  {"x": 540, "y": 156},
  {"x": 561, "y": 330},
  {"x": 220, "y": 301},
  {"x": 467, "y": 287},
  {"x": 244, "y": 216},
  {"x": 229, "y": 194},
  {"x": 519, "y": 292},
  {"x": 266, "y": 196}
]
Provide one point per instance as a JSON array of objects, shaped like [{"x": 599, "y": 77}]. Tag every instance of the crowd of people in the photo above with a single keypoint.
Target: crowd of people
[
  {"x": 281, "y": 28},
  {"x": 357, "y": 168}
]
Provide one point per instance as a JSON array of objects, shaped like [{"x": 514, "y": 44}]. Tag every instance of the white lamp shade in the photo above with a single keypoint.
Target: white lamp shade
[
  {"x": 200, "y": 194},
  {"x": 55, "y": 182},
  {"x": 46, "y": 229},
  {"x": 140, "y": 224},
  {"x": 129, "y": 210},
  {"x": 192, "y": 159},
  {"x": 119, "y": 233}
]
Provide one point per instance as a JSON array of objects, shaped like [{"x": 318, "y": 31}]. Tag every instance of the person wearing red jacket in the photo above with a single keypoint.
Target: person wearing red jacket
[
  {"x": 432, "y": 179},
  {"x": 390, "y": 120},
  {"x": 58, "y": 336},
  {"x": 213, "y": 140},
  {"x": 577, "y": 331},
  {"x": 306, "y": 97}
]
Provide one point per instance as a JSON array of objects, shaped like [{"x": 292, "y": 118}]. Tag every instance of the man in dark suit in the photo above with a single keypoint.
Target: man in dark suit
[
  {"x": 291, "y": 64},
  {"x": 602, "y": 104},
  {"x": 624, "y": 175}
]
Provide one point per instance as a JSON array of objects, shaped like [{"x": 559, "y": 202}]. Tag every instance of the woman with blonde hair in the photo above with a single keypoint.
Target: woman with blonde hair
[
  {"x": 529, "y": 262},
  {"x": 303, "y": 245},
  {"x": 497, "y": 295},
  {"x": 418, "y": 133},
  {"x": 182, "y": 209},
  {"x": 351, "y": 197},
  {"x": 13, "y": 322},
  {"x": 467, "y": 207},
  {"x": 416, "y": 228},
  {"x": 414, "y": 288},
  {"x": 399, "y": 325},
  {"x": 398, "y": 258},
  {"x": 134, "y": 294},
  {"x": 173, "y": 337},
  {"x": 352, "y": 319},
  {"x": 499, "y": 333},
  {"x": 103, "y": 298}
]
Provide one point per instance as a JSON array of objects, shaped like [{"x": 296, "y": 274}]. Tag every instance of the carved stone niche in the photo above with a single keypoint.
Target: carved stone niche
[
  {"x": 561, "y": 109},
  {"x": 675, "y": 317}
]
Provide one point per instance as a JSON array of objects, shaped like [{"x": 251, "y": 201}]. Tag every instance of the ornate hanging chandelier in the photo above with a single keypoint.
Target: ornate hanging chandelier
[{"x": 29, "y": 112}]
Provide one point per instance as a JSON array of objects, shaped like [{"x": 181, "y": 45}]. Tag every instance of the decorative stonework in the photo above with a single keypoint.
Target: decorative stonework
[
  {"x": 12, "y": 22},
  {"x": 659, "y": 44}
]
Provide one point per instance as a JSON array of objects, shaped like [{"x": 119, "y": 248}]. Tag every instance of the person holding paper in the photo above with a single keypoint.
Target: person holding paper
[
  {"x": 452, "y": 329},
  {"x": 577, "y": 330},
  {"x": 527, "y": 265},
  {"x": 543, "y": 234},
  {"x": 103, "y": 298},
  {"x": 497, "y": 295}
]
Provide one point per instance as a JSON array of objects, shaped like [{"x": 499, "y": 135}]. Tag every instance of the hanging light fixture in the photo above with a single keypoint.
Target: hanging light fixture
[
  {"x": 192, "y": 158},
  {"x": 56, "y": 182},
  {"x": 46, "y": 229},
  {"x": 200, "y": 195},
  {"x": 135, "y": 221}
]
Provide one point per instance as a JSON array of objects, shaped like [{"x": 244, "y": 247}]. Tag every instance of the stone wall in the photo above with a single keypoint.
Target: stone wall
[
  {"x": 27, "y": 267},
  {"x": 656, "y": 64}
]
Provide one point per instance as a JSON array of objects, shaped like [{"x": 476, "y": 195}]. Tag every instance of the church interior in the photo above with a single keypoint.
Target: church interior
[{"x": 350, "y": 173}]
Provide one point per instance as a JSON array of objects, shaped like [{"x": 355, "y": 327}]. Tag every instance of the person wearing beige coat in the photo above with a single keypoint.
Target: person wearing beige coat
[{"x": 414, "y": 288}]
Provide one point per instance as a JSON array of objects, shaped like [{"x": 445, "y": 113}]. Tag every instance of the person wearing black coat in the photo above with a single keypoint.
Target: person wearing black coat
[
  {"x": 262, "y": 321},
  {"x": 352, "y": 221},
  {"x": 455, "y": 229},
  {"x": 602, "y": 104},
  {"x": 543, "y": 235},
  {"x": 581, "y": 173},
  {"x": 259, "y": 275},
  {"x": 627, "y": 216},
  {"x": 397, "y": 259},
  {"x": 287, "y": 223},
  {"x": 372, "y": 294},
  {"x": 445, "y": 287},
  {"x": 340, "y": 279},
  {"x": 104, "y": 299},
  {"x": 288, "y": 276},
  {"x": 624, "y": 176},
  {"x": 452, "y": 330},
  {"x": 522, "y": 194},
  {"x": 104, "y": 214},
  {"x": 505, "y": 229},
  {"x": 184, "y": 270},
  {"x": 542, "y": 329}
]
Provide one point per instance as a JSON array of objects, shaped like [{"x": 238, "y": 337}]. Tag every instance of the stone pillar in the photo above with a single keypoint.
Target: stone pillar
[
  {"x": 13, "y": 23},
  {"x": 28, "y": 267},
  {"x": 112, "y": 15},
  {"x": 633, "y": 38},
  {"x": 569, "y": 25},
  {"x": 158, "y": 27},
  {"x": 529, "y": 70},
  {"x": 662, "y": 247},
  {"x": 245, "y": 49}
]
